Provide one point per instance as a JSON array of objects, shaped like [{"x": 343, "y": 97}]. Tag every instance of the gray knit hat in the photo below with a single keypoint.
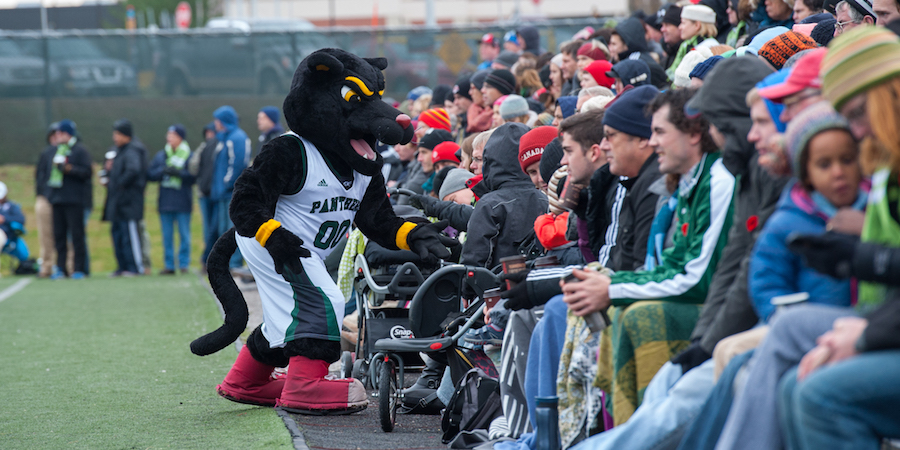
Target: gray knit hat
[
  {"x": 513, "y": 106},
  {"x": 454, "y": 181}
]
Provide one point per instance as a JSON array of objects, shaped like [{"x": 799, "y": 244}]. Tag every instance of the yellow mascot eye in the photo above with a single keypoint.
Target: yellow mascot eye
[{"x": 349, "y": 94}]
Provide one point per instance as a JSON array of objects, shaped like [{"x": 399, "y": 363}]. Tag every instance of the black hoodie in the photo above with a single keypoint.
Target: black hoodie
[
  {"x": 632, "y": 33},
  {"x": 504, "y": 217},
  {"x": 728, "y": 309},
  {"x": 531, "y": 39}
]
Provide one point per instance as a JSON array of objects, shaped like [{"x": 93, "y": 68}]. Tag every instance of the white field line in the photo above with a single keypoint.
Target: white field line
[{"x": 18, "y": 286}]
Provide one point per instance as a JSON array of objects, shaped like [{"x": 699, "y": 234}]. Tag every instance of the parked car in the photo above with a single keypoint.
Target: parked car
[
  {"x": 20, "y": 74},
  {"x": 238, "y": 56},
  {"x": 79, "y": 67}
]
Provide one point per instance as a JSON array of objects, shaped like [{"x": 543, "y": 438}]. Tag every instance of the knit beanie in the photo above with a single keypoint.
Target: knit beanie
[
  {"x": 550, "y": 159},
  {"x": 453, "y": 182},
  {"x": 478, "y": 79},
  {"x": 567, "y": 105},
  {"x": 502, "y": 80},
  {"x": 598, "y": 70},
  {"x": 435, "y": 118},
  {"x": 533, "y": 143},
  {"x": 672, "y": 15},
  {"x": 462, "y": 87},
  {"x": 699, "y": 13},
  {"x": 783, "y": 46},
  {"x": 805, "y": 126},
  {"x": 434, "y": 137},
  {"x": 417, "y": 92},
  {"x": 700, "y": 70},
  {"x": 179, "y": 130},
  {"x": 67, "y": 126},
  {"x": 439, "y": 94},
  {"x": 763, "y": 37},
  {"x": 627, "y": 114},
  {"x": 506, "y": 58},
  {"x": 823, "y": 32},
  {"x": 592, "y": 50},
  {"x": 513, "y": 106},
  {"x": 123, "y": 126},
  {"x": 858, "y": 60},
  {"x": 683, "y": 71},
  {"x": 273, "y": 113},
  {"x": 445, "y": 151}
]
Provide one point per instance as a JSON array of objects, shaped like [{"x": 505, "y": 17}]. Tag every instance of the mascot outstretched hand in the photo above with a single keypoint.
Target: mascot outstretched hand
[{"x": 289, "y": 210}]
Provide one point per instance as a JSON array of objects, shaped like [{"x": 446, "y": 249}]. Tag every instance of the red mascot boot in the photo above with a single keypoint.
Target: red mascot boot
[
  {"x": 250, "y": 381},
  {"x": 308, "y": 390}
]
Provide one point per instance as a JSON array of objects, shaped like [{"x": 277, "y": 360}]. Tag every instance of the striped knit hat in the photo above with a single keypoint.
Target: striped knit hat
[
  {"x": 436, "y": 118},
  {"x": 778, "y": 50},
  {"x": 801, "y": 129},
  {"x": 858, "y": 60}
]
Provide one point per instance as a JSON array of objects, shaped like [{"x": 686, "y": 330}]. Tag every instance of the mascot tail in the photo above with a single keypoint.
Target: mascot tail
[{"x": 229, "y": 296}]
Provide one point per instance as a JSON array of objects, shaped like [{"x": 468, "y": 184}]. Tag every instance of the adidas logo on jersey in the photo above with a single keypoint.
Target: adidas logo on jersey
[{"x": 322, "y": 183}]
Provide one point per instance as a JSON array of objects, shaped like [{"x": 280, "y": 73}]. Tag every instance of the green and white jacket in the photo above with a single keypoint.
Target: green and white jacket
[{"x": 702, "y": 219}]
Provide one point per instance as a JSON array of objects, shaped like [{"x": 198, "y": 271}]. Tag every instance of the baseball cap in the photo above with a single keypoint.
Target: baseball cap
[
  {"x": 488, "y": 39},
  {"x": 445, "y": 151},
  {"x": 805, "y": 74}
]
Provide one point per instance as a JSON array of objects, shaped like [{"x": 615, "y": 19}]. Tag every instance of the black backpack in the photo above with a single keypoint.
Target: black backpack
[{"x": 474, "y": 404}]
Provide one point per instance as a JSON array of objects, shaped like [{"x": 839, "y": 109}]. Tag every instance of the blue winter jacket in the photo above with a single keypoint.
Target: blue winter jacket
[
  {"x": 12, "y": 213},
  {"x": 775, "y": 270},
  {"x": 232, "y": 154}
]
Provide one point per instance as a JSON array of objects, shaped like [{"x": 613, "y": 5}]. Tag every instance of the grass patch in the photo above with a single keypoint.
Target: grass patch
[{"x": 105, "y": 363}]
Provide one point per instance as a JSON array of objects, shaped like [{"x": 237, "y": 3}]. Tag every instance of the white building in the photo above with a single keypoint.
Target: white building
[{"x": 413, "y": 12}]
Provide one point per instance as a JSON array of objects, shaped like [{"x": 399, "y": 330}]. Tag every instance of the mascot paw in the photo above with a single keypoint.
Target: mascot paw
[
  {"x": 427, "y": 239},
  {"x": 286, "y": 250}
]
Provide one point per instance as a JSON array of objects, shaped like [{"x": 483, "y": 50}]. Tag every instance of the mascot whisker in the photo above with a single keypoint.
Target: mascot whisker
[{"x": 290, "y": 209}]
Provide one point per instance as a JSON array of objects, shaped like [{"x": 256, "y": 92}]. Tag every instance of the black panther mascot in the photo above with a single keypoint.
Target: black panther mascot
[{"x": 290, "y": 209}]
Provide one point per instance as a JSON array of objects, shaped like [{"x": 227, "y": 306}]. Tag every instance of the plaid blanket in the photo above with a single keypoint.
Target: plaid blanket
[{"x": 641, "y": 338}]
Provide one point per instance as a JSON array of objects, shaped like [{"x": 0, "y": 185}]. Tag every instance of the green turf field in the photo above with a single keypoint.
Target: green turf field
[{"x": 105, "y": 363}]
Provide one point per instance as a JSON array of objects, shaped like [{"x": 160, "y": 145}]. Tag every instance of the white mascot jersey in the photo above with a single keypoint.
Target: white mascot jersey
[{"x": 320, "y": 214}]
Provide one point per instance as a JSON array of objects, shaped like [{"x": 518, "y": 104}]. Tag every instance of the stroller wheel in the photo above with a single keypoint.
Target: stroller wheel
[
  {"x": 361, "y": 372},
  {"x": 346, "y": 365},
  {"x": 387, "y": 395}
]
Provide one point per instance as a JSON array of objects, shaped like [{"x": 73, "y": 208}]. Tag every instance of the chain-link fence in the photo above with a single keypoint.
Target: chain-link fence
[{"x": 159, "y": 78}]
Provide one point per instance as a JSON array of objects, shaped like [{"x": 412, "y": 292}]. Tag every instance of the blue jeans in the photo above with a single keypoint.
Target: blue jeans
[
  {"x": 544, "y": 353},
  {"x": 208, "y": 213},
  {"x": 671, "y": 402},
  {"x": 168, "y": 220},
  {"x": 223, "y": 224},
  {"x": 849, "y": 405}
]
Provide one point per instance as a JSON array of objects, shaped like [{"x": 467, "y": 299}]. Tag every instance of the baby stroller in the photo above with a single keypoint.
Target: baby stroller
[
  {"x": 385, "y": 283},
  {"x": 437, "y": 320}
]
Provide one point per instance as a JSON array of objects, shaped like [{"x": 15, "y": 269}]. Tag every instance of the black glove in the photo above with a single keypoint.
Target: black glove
[
  {"x": 286, "y": 250},
  {"x": 423, "y": 202},
  {"x": 427, "y": 239},
  {"x": 517, "y": 297},
  {"x": 830, "y": 253},
  {"x": 691, "y": 357},
  {"x": 172, "y": 171}
]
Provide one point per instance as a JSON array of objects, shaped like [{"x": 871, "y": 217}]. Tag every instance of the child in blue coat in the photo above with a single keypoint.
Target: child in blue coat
[{"x": 825, "y": 163}]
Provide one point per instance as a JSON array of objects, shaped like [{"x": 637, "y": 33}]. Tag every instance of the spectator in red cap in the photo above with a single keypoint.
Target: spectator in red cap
[
  {"x": 595, "y": 75},
  {"x": 488, "y": 49},
  {"x": 444, "y": 155},
  {"x": 531, "y": 147},
  {"x": 802, "y": 88},
  {"x": 589, "y": 52}
]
